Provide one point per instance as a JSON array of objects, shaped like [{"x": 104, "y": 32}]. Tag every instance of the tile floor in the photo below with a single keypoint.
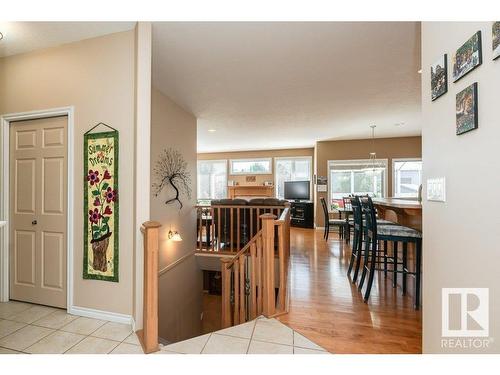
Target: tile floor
[
  {"x": 260, "y": 336},
  {"x": 27, "y": 328}
]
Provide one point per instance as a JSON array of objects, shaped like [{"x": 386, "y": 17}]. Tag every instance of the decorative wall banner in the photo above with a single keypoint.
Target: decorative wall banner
[{"x": 100, "y": 244}]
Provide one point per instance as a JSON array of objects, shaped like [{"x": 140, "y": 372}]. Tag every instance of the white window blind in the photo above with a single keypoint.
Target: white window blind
[
  {"x": 291, "y": 169},
  {"x": 212, "y": 179},
  {"x": 359, "y": 177},
  {"x": 407, "y": 177},
  {"x": 251, "y": 166}
]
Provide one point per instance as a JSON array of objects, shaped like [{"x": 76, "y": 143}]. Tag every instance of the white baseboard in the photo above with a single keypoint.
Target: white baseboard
[{"x": 102, "y": 315}]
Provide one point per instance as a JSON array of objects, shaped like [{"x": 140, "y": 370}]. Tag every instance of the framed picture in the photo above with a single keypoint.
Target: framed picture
[
  {"x": 467, "y": 57},
  {"x": 100, "y": 197},
  {"x": 466, "y": 109},
  {"x": 439, "y": 77},
  {"x": 496, "y": 39}
]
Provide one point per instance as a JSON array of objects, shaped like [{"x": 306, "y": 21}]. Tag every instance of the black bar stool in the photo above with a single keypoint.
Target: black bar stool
[
  {"x": 393, "y": 233},
  {"x": 359, "y": 226}
]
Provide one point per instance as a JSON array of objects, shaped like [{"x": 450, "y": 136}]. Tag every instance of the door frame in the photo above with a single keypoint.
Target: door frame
[{"x": 5, "y": 121}]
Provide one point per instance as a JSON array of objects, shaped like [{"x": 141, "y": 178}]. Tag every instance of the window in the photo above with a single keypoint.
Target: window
[
  {"x": 212, "y": 179},
  {"x": 356, "y": 177},
  {"x": 251, "y": 166},
  {"x": 291, "y": 169},
  {"x": 407, "y": 177}
]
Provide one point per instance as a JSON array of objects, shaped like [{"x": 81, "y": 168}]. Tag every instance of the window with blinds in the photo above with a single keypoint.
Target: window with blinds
[
  {"x": 212, "y": 179},
  {"x": 291, "y": 169},
  {"x": 359, "y": 177},
  {"x": 407, "y": 177}
]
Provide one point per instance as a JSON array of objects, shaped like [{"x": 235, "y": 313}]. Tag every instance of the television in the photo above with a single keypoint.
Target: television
[{"x": 298, "y": 190}]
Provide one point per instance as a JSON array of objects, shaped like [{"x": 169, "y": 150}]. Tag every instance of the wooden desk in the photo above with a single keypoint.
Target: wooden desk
[
  {"x": 404, "y": 212},
  {"x": 256, "y": 191}
]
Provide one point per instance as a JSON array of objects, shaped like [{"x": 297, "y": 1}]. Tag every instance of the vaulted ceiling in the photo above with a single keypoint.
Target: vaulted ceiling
[{"x": 276, "y": 85}]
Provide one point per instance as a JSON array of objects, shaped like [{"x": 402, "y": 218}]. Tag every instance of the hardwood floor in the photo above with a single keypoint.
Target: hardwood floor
[
  {"x": 212, "y": 313},
  {"x": 328, "y": 309}
]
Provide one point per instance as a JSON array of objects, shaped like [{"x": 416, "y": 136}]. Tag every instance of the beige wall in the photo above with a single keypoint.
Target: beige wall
[
  {"x": 143, "y": 57},
  {"x": 96, "y": 76},
  {"x": 180, "y": 289},
  {"x": 461, "y": 235},
  {"x": 260, "y": 178},
  {"x": 386, "y": 148}
]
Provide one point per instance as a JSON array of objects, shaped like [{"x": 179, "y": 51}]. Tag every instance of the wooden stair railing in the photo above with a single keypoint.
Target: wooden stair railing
[
  {"x": 234, "y": 234},
  {"x": 248, "y": 278},
  {"x": 148, "y": 336}
]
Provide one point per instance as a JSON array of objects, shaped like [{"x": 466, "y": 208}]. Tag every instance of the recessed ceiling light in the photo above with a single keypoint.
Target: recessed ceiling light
[
  {"x": 212, "y": 130},
  {"x": 419, "y": 71},
  {"x": 398, "y": 124}
]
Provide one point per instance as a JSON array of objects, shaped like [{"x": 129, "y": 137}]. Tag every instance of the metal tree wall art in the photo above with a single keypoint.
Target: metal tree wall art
[{"x": 171, "y": 169}]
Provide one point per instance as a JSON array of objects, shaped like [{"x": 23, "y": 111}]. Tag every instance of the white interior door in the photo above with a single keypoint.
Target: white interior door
[{"x": 38, "y": 211}]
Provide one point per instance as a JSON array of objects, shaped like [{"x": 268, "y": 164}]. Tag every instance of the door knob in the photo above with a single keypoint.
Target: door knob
[{"x": 34, "y": 222}]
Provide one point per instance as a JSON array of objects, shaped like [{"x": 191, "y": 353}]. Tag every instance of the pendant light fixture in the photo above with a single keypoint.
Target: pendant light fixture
[
  {"x": 373, "y": 153},
  {"x": 373, "y": 163}
]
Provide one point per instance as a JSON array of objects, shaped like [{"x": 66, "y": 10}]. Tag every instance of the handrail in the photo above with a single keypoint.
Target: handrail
[
  {"x": 239, "y": 206},
  {"x": 244, "y": 250},
  {"x": 283, "y": 216},
  {"x": 176, "y": 263},
  {"x": 248, "y": 282},
  {"x": 223, "y": 228}
]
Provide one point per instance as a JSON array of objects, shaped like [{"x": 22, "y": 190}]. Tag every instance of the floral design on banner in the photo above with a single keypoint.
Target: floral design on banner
[{"x": 101, "y": 206}]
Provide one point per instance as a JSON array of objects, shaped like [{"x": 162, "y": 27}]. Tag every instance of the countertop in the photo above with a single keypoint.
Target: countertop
[{"x": 398, "y": 203}]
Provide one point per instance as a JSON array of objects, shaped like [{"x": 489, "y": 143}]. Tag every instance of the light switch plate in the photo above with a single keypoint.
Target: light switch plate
[
  {"x": 436, "y": 189},
  {"x": 322, "y": 188}
]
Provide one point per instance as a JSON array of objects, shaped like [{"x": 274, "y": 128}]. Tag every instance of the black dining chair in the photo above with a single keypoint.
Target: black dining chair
[
  {"x": 330, "y": 222},
  {"x": 393, "y": 233},
  {"x": 349, "y": 220}
]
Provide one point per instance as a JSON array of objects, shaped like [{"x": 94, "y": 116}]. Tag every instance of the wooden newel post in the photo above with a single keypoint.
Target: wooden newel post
[
  {"x": 149, "y": 334},
  {"x": 226, "y": 292},
  {"x": 269, "y": 298}
]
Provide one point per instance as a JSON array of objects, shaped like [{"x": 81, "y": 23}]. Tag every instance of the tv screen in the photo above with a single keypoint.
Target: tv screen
[{"x": 297, "y": 190}]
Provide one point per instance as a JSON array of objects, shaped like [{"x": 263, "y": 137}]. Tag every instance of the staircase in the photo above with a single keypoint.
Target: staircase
[
  {"x": 254, "y": 278},
  {"x": 254, "y": 281}
]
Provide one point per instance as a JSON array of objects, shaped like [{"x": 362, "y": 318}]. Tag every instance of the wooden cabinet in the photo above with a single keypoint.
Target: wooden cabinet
[{"x": 302, "y": 214}]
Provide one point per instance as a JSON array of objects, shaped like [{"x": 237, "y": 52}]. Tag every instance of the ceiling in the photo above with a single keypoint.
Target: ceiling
[
  {"x": 22, "y": 37},
  {"x": 286, "y": 85}
]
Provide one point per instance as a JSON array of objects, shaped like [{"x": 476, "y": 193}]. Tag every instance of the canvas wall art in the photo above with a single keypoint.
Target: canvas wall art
[
  {"x": 467, "y": 57},
  {"x": 439, "y": 77},
  {"x": 496, "y": 39},
  {"x": 100, "y": 259},
  {"x": 466, "y": 109}
]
